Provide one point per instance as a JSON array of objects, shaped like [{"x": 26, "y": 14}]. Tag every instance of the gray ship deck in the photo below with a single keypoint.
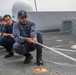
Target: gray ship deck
[{"x": 52, "y": 61}]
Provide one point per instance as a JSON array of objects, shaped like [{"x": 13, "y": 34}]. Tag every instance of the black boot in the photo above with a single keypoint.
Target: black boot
[
  {"x": 10, "y": 53},
  {"x": 39, "y": 57},
  {"x": 28, "y": 58}
]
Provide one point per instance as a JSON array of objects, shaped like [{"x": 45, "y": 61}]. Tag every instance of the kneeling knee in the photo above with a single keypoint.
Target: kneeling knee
[
  {"x": 15, "y": 46},
  {"x": 18, "y": 49}
]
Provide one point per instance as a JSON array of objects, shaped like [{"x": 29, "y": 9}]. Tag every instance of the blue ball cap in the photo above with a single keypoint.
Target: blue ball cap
[{"x": 22, "y": 13}]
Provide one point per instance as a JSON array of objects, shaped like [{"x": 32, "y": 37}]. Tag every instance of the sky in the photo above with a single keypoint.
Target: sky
[{"x": 42, "y": 5}]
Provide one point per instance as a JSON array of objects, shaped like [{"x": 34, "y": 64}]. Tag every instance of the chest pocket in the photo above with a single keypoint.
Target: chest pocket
[{"x": 25, "y": 31}]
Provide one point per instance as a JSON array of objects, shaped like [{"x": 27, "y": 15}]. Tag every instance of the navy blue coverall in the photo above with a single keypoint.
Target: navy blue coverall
[
  {"x": 21, "y": 32},
  {"x": 6, "y": 41}
]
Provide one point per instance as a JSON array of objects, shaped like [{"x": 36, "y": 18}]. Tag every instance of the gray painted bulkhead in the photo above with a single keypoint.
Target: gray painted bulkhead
[{"x": 49, "y": 20}]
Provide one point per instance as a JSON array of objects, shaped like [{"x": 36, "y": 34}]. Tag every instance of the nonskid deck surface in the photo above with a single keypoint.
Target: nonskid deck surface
[{"x": 54, "y": 62}]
